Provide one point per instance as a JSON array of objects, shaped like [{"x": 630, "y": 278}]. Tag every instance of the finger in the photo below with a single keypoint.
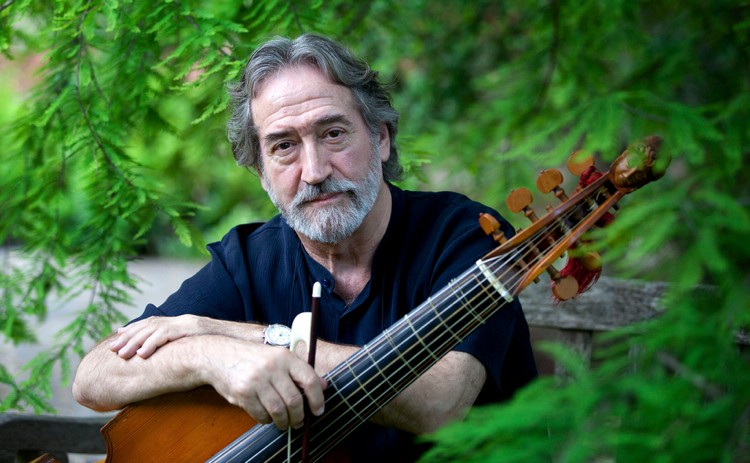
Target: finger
[
  {"x": 273, "y": 403},
  {"x": 118, "y": 343},
  {"x": 294, "y": 402},
  {"x": 135, "y": 341},
  {"x": 155, "y": 340},
  {"x": 152, "y": 343},
  {"x": 282, "y": 399},
  {"x": 119, "y": 340},
  {"x": 255, "y": 409},
  {"x": 312, "y": 386},
  {"x": 250, "y": 403},
  {"x": 125, "y": 333}
]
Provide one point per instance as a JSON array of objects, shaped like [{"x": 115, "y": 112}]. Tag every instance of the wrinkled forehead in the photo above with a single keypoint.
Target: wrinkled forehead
[
  {"x": 256, "y": 85},
  {"x": 296, "y": 84},
  {"x": 297, "y": 97}
]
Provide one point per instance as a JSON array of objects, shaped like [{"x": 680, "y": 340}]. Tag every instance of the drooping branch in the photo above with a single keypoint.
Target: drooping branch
[
  {"x": 364, "y": 8},
  {"x": 197, "y": 27},
  {"x": 6, "y": 5},
  {"x": 694, "y": 378},
  {"x": 296, "y": 17},
  {"x": 552, "y": 57}
]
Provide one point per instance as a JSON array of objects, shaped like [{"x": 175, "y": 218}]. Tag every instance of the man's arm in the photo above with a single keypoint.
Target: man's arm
[
  {"x": 144, "y": 337},
  {"x": 106, "y": 382},
  {"x": 442, "y": 394},
  {"x": 266, "y": 381}
]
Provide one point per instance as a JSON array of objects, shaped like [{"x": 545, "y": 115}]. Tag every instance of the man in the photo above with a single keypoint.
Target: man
[{"x": 320, "y": 130}]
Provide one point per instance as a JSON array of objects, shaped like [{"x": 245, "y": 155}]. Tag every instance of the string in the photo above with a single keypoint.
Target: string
[{"x": 383, "y": 341}]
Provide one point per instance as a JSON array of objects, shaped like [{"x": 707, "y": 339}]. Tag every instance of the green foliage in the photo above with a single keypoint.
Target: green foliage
[
  {"x": 120, "y": 150},
  {"x": 592, "y": 78}
]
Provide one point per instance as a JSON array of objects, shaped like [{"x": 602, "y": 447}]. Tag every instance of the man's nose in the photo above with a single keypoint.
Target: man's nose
[{"x": 316, "y": 165}]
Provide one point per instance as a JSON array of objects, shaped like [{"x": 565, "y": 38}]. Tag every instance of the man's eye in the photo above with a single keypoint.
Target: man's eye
[
  {"x": 334, "y": 133},
  {"x": 283, "y": 146}
]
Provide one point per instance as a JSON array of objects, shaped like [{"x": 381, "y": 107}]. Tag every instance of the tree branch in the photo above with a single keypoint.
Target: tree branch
[
  {"x": 694, "y": 378},
  {"x": 197, "y": 26},
  {"x": 296, "y": 17},
  {"x": 364, "y": 8},
  {"x": 552, "y": 59},
  {"x": 90, "y": 126},
  {"x": 6, "y": 5}
]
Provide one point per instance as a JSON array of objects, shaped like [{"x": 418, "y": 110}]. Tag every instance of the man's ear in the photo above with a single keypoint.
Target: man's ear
[{"x": 384, "y": 143}]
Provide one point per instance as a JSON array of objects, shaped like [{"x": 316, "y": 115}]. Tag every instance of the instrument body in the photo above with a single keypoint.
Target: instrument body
[{"x": 181, "y": 426}]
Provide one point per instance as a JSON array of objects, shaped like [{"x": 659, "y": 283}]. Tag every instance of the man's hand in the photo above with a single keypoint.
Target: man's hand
[
  {"x": 145, "y": 336},
  {"x": 267, "y": 381}
]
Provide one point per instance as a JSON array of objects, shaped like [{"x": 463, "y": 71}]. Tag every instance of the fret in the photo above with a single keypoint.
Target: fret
[
  {"x": 466, "y": 306},
  {"x": 343, "y": 396},
  {"x": 380, "y": 371},
  {"x": 363, "y": 386},
  {"x": 427, "y": 348},
  {"x": 387, "y": 336},
  {"x": 443, "y": 323},
  {"x": 494, "y": 281}
]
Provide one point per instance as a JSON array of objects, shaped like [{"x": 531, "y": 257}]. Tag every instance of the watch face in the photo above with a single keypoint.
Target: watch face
[{"x": 277, "y": 335}]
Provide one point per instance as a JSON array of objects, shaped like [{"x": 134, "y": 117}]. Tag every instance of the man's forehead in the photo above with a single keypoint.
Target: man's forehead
[
  {"x": 285, "y": 71},
  {"x": 300, "y": 95}
]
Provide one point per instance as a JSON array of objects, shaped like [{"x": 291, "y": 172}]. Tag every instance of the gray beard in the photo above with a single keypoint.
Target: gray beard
[{"x": 333, "y": 223}]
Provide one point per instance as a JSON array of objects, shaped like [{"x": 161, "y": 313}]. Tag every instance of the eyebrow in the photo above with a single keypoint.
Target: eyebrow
[{"x": 323, "y": 121}]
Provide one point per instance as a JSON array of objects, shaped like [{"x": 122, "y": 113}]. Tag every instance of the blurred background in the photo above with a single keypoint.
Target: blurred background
[{"x": 114, "y": 161}]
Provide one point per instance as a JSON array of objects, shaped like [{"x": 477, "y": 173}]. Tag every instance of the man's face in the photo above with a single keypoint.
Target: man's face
[{"x": 321, "y": 166}]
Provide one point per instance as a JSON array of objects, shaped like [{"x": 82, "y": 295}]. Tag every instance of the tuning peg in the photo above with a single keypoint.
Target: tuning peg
[
  {"x": 579, "y": 161},
  {"x": 581, "y": 271},
  {"x": 591, "y": 261},
  {"x": 565, "y": 288},
  {"x": 491, "y": 226},
  {"x": 519, "y": 200},
  {"x": 549, "y": 181}
]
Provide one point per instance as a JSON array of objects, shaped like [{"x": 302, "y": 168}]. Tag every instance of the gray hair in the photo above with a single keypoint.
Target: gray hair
[{"x": 333, "y": 60}]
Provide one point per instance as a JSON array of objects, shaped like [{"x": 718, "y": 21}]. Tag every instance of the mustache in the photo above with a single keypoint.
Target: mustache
[{"x": 327, "y": 186}]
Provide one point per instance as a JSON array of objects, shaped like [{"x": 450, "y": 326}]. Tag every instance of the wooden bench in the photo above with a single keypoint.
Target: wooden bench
[
  {"x": 608, "y": 305},
  {"x": 24, "y": 437}
]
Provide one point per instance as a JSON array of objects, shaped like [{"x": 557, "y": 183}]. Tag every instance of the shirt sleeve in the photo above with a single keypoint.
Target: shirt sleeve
[{"x": 212, "y": 292}]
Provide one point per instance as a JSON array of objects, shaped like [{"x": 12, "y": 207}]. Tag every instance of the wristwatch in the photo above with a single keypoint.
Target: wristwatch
[{"x": 277, "y": 335}]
